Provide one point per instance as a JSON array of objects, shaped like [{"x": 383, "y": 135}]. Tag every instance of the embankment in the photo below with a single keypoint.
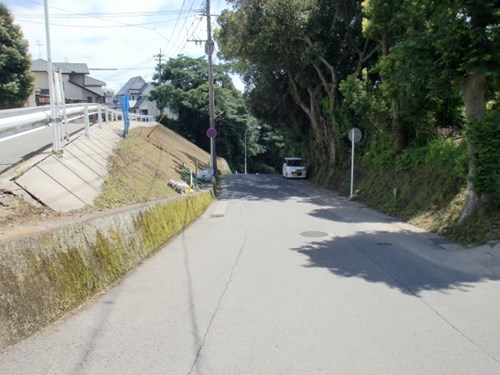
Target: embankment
[{"x": 47, "y": 274}]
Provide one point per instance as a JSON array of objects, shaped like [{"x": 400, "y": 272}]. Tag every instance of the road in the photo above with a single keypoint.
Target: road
[
  {"x": 282, "y": 277},
  {"x": 14, "y": 150}
]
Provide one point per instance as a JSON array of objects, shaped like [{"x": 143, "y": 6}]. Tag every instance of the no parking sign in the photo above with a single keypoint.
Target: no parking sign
[{"x": 211, "y": 133}]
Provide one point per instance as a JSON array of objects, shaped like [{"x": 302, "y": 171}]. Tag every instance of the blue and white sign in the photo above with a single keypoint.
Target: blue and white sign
[{"x": 125, "y": 109}]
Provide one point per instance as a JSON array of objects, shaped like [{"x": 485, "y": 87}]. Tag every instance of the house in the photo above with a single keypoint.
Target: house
[
  {"x": 78, "y": 86},
  {"x": 138, "y": 91},
  {"x": 108, "y": 97}
]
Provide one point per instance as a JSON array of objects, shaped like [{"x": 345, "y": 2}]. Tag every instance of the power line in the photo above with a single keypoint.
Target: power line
[
  {"x": 190, "y": 11},
  {"x": 70, "y": 14},
  {"x": 100, "y": 27},
  {"x": 99, "y": 17},
  {"x": 152, "y": 18}
]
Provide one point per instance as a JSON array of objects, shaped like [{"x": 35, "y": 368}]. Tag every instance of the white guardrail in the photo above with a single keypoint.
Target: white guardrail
[{"x": 15, "y": 122}]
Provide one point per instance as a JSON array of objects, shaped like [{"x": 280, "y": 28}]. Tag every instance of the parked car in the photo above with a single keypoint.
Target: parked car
[{"x": 294, "y": 168}]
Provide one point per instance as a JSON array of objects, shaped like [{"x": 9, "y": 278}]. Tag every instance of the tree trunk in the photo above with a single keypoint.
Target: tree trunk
[
  {"x": 320, "y": 125},
  {"x": 473, "y": 91},
  {"x": 400, "y": 131}
]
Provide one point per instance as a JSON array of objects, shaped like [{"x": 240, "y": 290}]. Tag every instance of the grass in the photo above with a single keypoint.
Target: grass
[
  {"x": 429, "y": 200},
  {"x": 138, "y": 172},
  {"x": 142, "y": 164}
]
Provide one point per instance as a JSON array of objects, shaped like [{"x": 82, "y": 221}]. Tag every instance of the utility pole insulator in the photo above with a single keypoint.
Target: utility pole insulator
[{"x": 209, "y": 48}]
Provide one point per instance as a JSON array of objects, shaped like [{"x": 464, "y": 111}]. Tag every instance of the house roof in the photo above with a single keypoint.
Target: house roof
[
  {"x": 96, "y": 90},
  {"x": 134, "y": 83},
  {"x": 40, "y": 65},
  {"x": 147, "y": 89},
  {"x": 141, "y": 101},
  {"x": 144, "y": 98},
  {"x": 92, "y": 82}
]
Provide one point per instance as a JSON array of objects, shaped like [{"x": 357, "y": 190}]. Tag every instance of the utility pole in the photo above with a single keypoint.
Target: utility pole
[
  {"x": 54, "y": 115},
  {"x": 158, "y": 57},
  {"x": 211, "y": 99},
  {"x": 39, "y": 44},
  {"x": 209, "y": 50}
]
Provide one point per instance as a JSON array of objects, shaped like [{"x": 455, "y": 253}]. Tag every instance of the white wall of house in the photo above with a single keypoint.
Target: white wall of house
[
  {"x": 41, "y": 82},
  {"x": 74, "y": 83},
  {"x": 79, "y": 79},
  {"x": 71, "y": 91},
  {"x": 149, "y": 108}
]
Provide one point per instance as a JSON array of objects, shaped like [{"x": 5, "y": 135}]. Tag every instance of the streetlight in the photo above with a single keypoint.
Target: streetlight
[{"x": 246, "y": 130}]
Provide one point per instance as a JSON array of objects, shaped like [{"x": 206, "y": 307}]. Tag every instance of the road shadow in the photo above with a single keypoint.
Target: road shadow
[
  {"x": 260, "y": 187},
  {"x": 382, "y": 249},
  {"x": 350, "y": 213},
  {"x": 383, "y": 258},
  {"x": 267, "y": 187}
]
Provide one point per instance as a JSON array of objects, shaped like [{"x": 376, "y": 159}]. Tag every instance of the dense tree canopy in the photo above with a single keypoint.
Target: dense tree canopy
[
  {"x": 183, "y": 89},
  {"x": 466, "y": 35},
  {"x": 16, "y": 80},
  {"x": 400, "y": 70},
  {"x": 295, "y": 53}
]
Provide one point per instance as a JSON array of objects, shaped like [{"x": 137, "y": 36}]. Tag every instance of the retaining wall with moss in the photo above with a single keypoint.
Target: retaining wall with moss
[{"x": 47, "y": 274}]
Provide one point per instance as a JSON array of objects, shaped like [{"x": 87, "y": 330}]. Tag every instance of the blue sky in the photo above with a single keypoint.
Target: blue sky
[{"x": 114, "y": 34}]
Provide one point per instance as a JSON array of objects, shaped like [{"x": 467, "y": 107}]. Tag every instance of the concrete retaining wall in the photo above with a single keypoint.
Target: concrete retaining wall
[{"x": 47, "y": 274}]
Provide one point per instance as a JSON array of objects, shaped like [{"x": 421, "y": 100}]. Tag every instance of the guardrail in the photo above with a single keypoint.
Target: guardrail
[{"x": 15, "y": 122}]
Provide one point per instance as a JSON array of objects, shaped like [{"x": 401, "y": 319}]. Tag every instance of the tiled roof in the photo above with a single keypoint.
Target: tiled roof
[
  {"x": 147, "y": 89},
  {"x": 96, "y": 90},
  {"x": 40, "y": 65},
  {"x": 89, "y": 81},
  {"x": 134, "y": 83}
]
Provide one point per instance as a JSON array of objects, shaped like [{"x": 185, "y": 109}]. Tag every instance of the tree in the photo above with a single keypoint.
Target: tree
[
  {"x": 431, "y": 52},
  {"x": 16, "y": 80},
  {"x": 184, "y": 91},
  {"x": 467, "y": 39},
  {"x": 302, "y": 50},
  {"x": 405, "y": 64}
]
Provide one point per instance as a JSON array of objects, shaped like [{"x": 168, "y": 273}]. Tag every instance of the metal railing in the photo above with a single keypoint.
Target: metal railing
[{"x": 16, "y": 122}]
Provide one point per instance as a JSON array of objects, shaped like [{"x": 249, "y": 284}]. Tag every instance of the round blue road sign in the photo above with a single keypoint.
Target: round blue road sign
[{"x": 211, "y": 133}]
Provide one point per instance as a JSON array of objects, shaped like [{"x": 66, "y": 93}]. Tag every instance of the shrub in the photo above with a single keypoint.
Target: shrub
[{"x": 484, "y": 136}]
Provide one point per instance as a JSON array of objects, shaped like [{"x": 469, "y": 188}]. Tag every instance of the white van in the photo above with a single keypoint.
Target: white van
[{"x": 294, "y": 168}]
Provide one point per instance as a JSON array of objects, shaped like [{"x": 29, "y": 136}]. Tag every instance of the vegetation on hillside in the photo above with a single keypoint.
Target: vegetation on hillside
[
  {"x": 138, "y": 172},
  {"x": 419, "y": 78},
  {"x": 142, "y": 165},
  {"x": 16, "y": 79},
  {"x": 183, "y": 90}
]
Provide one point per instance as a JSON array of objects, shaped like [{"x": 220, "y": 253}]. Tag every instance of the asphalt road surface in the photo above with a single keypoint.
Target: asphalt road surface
[{"x": 281, "y": 277}]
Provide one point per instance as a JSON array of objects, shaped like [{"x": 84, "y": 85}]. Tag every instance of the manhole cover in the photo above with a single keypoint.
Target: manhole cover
[{"x": 314, "y": 234}]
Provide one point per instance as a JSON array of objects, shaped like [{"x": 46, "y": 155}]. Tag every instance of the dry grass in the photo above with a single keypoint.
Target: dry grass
[
  {"x": 441, "y": 221},
  {"x": 143, "y": 163},
  {"x": 138, "y": 172}
]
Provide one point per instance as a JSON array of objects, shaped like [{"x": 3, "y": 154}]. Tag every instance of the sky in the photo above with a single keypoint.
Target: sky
[{"x": 117, "y": 39}]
